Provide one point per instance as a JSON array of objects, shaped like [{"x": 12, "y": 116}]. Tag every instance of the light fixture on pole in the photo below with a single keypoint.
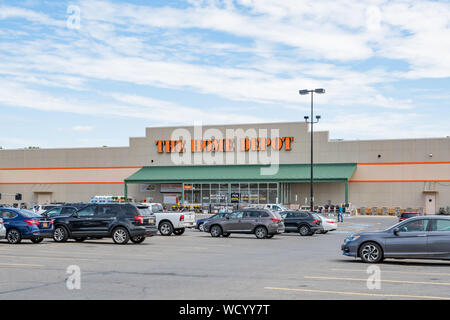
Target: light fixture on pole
[{"x": 305, "y": 92}]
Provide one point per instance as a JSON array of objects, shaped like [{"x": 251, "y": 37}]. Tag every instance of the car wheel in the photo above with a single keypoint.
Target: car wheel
[
  {"x": 371, "y": 252},
  {"x": 178, "y": 232},
  {"x": 261, "y": 232},
  {"x": 226, "y": 235},
  {"x": 37, "y": 240},
  {"x": 166, "y": 228},
  {"x": 60, "y": 234},
  {"x": 304, "y": 230},
  {"x": 216, "y": 231},
  {"x": 13, "y": 236},
  {"x": 138, "y": 239},
  {"x": 80, "y": 239},
  {"x": 201, "y": 227},
  {"x": 120, "y": 235}
]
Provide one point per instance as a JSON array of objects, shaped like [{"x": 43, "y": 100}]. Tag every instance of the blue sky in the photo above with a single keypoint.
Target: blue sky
[{"x": 92, "y": 73}]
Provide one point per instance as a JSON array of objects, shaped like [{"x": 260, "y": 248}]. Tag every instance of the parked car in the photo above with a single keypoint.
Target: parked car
[
  {"x": 303, "y": 222},
  {"x": 263, "y": 223},
  {"x": 169, "y": 222},
  {"x": 200, "y": 223},
  {"x": 120, "y": 221},
  {"x": 328, "y": 224},
  {"x": 2, "y": 229},
  {"x": 23, "y": 224},
  {"x": 422, "y": 237},
  {"x": 407, "y": 215}
]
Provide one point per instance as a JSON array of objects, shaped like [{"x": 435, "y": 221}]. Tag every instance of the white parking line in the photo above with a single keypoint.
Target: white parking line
[
  {"x": 391, "y": 281},
  {"x": 358, "y": 293},
  {"x": 396, "y": 271},
  {"x": 54, "y": 258},
  {"x": 21, "y": 265}
]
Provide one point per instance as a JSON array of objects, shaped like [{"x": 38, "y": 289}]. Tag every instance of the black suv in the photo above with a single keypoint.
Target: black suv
[
  {"x": 121, "y": 222},
  {"x": 305, "y": 223}
]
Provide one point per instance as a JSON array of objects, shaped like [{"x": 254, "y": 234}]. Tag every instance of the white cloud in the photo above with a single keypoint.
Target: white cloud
[
  {"x": 82, "y": 128},
  {"x": 264, "y": 54}
]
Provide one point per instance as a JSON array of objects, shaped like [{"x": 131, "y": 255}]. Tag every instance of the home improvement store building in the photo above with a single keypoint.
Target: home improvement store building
[{"x": 236, "y": 164}]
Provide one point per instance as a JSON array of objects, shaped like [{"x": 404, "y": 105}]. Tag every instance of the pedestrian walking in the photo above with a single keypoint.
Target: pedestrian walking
[{"x": 340, "y": 213}]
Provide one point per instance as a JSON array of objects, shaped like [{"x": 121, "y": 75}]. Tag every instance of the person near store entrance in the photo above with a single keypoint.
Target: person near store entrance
[{"x": 340, "y": 213}]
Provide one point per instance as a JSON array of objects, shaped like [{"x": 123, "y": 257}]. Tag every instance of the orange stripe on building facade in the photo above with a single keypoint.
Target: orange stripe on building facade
[
  {"x": 91, "y": 182},
  {"x": 389, "y": 181},
  {"x": 73, "y": 168},
  {"x": 398, "y": 163}
]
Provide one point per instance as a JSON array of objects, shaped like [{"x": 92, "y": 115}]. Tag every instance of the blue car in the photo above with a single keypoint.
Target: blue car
[{"x": 23, "y": 224}]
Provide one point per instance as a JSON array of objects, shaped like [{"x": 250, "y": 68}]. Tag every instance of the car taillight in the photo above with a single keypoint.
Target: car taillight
[
  {"x": 52, "y": 221},
  {"x": 331, "y": 221},
  {"x": 140, "y": 219},
  {"x": 275, "y": 219},
  {"x": 32, "y": 222},
  {"x": 182, "y": 217},
  {"x": 316, "y": 221}
]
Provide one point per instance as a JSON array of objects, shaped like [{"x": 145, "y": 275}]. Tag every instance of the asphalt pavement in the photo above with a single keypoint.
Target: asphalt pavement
[{"x": 197, "y": 266}]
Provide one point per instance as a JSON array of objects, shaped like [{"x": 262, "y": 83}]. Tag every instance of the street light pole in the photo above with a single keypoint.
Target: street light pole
[{"x": 304, "y": 92}]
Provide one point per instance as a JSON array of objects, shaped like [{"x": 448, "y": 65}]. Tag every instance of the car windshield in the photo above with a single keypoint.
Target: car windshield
[
  {"x": 47, "y": 207},
  {"x": 282, "y": 207},
  {"x": 29, "y": 214},
  {"x": 157, "y": 208},
  {"x": 144, "y": 211},
  {"x": 395, "y": 225}
]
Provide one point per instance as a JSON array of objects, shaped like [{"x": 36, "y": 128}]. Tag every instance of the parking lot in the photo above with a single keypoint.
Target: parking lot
[{"x": 197, "y": 266}]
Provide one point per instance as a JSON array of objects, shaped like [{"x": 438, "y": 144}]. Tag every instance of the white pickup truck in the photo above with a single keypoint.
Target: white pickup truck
[{"x": 171, "y": 222}]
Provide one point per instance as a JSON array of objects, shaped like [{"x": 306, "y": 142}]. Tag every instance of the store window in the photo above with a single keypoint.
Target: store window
[
  {"x": 254, "y": 193},
  {"x": 273, "y": 193},
  {"x": 263, "y": 193},
  {"x": 230, "y": 193}
]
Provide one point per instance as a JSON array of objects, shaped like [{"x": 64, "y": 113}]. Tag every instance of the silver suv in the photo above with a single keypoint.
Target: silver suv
[{"x": 260, "y": 222}]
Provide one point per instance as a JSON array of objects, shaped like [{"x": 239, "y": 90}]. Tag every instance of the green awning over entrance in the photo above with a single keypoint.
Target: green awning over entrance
[{"x": 245, "y": 173}]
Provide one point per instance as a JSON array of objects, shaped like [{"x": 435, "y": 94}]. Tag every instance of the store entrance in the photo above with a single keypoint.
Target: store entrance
[{"x": 213, "y": 197}]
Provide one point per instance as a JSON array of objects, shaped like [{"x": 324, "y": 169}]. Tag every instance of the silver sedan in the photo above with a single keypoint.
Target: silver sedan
[{"x": 423, "y": 237}]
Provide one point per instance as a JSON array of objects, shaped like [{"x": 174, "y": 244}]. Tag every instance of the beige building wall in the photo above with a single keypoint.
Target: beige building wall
[{"x": 400, "y": 172}]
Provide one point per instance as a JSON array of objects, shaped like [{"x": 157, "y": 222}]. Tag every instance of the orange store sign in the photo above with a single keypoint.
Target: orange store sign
[{"x": 226, "y": 145}]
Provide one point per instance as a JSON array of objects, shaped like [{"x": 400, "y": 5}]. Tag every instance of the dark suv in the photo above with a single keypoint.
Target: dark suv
[
  {"x": 305, "y": 223},
  {"x": 121, "y": 222},
  {"x": 263, "y": 223}
]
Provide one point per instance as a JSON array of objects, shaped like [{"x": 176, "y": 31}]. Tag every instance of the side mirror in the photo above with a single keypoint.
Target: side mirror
[
  {"x": 75, "y": 215},
  {"x": 227, "y": 217},
  {"x": 396, "y": 231}
]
